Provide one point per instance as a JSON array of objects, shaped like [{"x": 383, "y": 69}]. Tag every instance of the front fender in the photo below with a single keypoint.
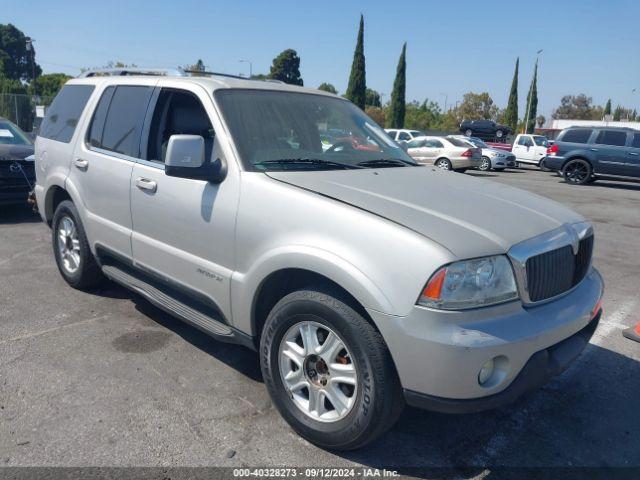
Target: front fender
[{"x": 245, "y": 286}]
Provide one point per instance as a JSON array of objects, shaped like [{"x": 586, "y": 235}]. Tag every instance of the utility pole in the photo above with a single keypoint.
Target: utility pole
[
  {"x": 32, "y": 53},
  {"x": 526, "y": 122}
]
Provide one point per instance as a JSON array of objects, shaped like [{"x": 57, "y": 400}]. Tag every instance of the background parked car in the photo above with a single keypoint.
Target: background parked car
[
  {"x": 403, "y": 135},
  {"x": 530, "y": 149},
  {"x": 17, "y": 173},
  {"x": 484, "y": 129},
  {"x": 492, "y": 158},
  {"x": 445, "y": 153},
  {"x": 582, "y": 154}
]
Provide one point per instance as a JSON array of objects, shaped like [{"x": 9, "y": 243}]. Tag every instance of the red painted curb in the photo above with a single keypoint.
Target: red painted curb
[{"x": 632, "y": 333}]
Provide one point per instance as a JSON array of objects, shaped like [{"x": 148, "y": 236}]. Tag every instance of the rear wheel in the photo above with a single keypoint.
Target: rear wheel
[
  {"x": 328, "y": 370},
  {"x": 468, "y": 132},
  {"x": 485, "y": 165},
  {"x": 73, "y": 256},
  {"x": 577, "y": 172},
  {"x": 543, "y": 166},
  {"x": 443, "y": 164}
]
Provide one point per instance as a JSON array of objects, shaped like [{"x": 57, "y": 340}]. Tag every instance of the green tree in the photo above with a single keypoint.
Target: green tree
[
  {"x": 398, "y": 106},
  {"x": 357, "y": 88},
  {"x": 617, "y": 114},
  {"x": 377, "y": 114},
  {"x": 475, "y": 106},
  {"x": 532, "y": 102},
  {"x": 574, "y": 107},
  {"x": 15, "y": 103},
  {"x": 372, "y": 98},
  {"x": 607, "y": 108},
  {"x": 511, "y": 112},
  {"x": 286, "y": 67},
  {"x": 16, "y": 62},
  {"x": 327, "y": 87},
  {"x": 199, "y": 66},
  {"x": 48, "y": 85},
  {"x": 540, "y": 119},
  {"x": 634, "y": 116}
]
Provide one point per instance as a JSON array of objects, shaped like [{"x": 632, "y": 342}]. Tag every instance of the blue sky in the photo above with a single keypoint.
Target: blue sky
[{"x": 589, "y": 46}]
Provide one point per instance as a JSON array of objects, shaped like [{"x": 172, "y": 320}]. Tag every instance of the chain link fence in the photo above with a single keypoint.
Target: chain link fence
[{"x": 24, "y": 110}]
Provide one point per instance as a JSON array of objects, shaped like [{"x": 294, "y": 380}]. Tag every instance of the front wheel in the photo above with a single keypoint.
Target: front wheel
[
  {"x": 577, "y": 172},
  {"x": 328, "y": 370},
  {"x": 499, "y": 133},
  {"x": 485, "y": 165},
  {"x": 468, "y": 132}
]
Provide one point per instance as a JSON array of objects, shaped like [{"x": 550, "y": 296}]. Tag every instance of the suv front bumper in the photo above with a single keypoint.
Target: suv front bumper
[{"x": 439, "y": 354}]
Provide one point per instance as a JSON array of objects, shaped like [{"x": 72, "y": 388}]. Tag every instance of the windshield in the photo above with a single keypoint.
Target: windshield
[
  {"x": 10, "y": 134},
  {"x": 276, "y": 130},
  {"x": 540, "y": 140}
]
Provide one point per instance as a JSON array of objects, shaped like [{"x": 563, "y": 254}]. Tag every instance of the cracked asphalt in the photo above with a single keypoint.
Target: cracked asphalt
[{"x": 106, "y": 379}]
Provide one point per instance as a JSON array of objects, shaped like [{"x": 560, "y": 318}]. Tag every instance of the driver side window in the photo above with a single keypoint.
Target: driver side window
[{"x": 177, "y": 112}]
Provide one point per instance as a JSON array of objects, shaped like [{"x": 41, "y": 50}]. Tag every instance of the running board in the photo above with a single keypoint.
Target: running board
[{"x": 172, "y": 306}]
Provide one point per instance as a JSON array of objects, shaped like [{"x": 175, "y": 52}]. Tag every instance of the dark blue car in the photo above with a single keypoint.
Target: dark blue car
[{"x": 584, "y": 153}]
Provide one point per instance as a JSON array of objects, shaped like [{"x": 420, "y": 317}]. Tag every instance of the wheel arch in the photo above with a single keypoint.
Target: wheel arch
[{"x": 54, "y": 195}]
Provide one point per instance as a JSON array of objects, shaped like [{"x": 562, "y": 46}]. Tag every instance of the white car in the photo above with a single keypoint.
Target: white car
[
  {"x": 403, "y": 135},
  {"x": 530, "y": 148},
  {"x": 445, "y": 153}
]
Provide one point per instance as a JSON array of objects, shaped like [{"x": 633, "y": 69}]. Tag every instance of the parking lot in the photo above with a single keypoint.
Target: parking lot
[{"x": 106, "y": 379}]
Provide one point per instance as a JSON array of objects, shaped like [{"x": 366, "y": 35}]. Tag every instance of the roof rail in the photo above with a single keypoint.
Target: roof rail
[{"x": 126, "y": 71}]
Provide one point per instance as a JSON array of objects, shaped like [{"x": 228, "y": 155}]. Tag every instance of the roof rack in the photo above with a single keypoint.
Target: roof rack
[{"x": 126, "y": 71}]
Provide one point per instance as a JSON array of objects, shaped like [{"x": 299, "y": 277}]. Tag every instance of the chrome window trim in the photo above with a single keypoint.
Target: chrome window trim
[{"x": 568, "y": 234}]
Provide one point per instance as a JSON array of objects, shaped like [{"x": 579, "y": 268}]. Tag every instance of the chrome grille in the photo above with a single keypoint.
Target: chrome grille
[{"x": 554, "y": 272}]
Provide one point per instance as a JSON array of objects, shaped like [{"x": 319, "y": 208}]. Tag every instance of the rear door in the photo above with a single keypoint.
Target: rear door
[
  {"x": 611, "y": 152},
  {"x": 183, "y": 229},
  {"x": 103, "y": 161},
  {"x": 633, "y": 156}
]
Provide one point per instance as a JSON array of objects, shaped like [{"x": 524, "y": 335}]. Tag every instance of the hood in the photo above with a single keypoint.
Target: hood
[
  {"x": 468, "y": 216},
  {"x": 15, "y": 152}
]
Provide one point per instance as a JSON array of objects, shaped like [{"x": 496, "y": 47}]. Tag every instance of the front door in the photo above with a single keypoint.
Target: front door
[
  {"x": 183, "y": 229},
  {"x": 524, "y": 150},
  {"x": 103, "y": 162}
]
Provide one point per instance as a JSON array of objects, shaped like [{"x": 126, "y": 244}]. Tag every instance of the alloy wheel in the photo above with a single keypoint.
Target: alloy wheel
[
  {"x": 485, "y": 165},
  {"x": 318, "y": 372},
  {"x": 68, "y": 244},
  {"x": 576, "y": 172}
]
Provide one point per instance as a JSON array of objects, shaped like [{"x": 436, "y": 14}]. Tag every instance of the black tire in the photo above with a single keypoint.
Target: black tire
[
  {"x": 444, "y": 164},
  {"x": 499, "y": 169},
  {"x": 460, "y": 170},
  {"x": 485, "y": 166},
  {"x": 468, "y": 132},
  {"x": 378, "y": 396},
  {"x": 577, "y": 172},
  {"x": 87, "y": 274},
  {"x": 543, "y": 166}
]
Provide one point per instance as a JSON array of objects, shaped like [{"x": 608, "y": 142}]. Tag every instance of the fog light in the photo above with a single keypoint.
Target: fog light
[{"x": 485, "y": 372}]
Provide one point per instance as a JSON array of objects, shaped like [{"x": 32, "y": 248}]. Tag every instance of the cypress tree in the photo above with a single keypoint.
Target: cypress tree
[
  {"x": 511, "y": 112},
  {"x": 356, "y": 91},
  {"x": 607, "y": 108},
  {"x": 533, "y": 107},
  {"x": 398, "y": 104},
  {"x": 617, "y": 114}
]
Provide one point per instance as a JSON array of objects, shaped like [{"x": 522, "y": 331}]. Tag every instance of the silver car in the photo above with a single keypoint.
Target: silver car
[
  {"x": 445, "y": 153},
  {"x": 492, "y": 158},
  {"x": 363, "y": 280}
]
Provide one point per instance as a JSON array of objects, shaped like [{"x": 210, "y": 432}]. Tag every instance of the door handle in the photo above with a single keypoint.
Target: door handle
[
  {"x": 146, "y": 184},
  {"x": 81, "y": 163},
  {"x": 593, "y": 149}
]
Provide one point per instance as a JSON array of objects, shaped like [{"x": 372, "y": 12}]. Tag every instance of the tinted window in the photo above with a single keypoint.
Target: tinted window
[
  {"x": 434, "y": 144},
  {"x": 612, "y": 137},
  {"x": 525, "y": 141},
  {"x": 392, "y": 133},
  {"x": 64, "y": 113},
  {"x": 636, "y": 140},
  {"x": 416, "y": 143},
  {"x": 124, "y": 120},
  {"x": 404, "y": 136},
  {"x": 178, "y": 112},
  {"x": 458, "y": 143},
  {"x": 540, "y": 141},
  {"x": 577, "y": 135},
  {"x": 99, "y": 116}
]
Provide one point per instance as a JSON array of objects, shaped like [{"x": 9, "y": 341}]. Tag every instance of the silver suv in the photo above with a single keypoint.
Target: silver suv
[{"x": 364, "y": 280}]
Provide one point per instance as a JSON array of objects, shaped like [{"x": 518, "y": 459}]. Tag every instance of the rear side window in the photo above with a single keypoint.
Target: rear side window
[
  {"x": 612, "y": 137},
  {"x": 124, "y": 119},
  {"x": 458, "y": 143},
  {"x": 99, "y": 116},
  {"x": 577, "y": 135},
  {"x": 65, "y": 111},
  {"x": 404, "y": 136},
  {"x": 636, "y": 140}
]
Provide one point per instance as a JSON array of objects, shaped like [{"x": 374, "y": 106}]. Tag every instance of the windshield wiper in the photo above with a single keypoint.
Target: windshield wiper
[
  {"x": 384, "y": 162},
  {"x": 305, "y": 161}
]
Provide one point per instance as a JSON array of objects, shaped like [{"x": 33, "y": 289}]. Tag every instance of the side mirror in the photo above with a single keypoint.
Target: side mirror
[{"x": 185, "y": 158}]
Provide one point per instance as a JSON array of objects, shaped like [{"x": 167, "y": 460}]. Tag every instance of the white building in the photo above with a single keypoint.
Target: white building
[{"x": 562, "y": 124}]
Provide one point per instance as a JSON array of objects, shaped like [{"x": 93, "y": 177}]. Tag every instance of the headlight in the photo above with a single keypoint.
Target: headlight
[{"x": 470, "y": 284}]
